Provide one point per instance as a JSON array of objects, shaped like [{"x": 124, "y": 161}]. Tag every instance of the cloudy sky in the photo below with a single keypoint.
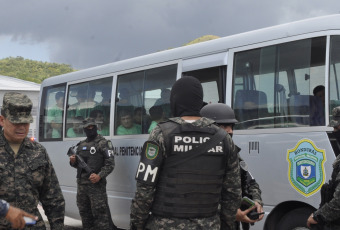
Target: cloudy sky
[{"x": 87, "y": 33}]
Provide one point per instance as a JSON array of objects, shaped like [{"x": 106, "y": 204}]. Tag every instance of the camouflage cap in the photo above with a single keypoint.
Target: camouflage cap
[
  {"x": 89, "y": 121},
  {"x": 17, "y": 107},
  {"x": 335, "y": 118}
]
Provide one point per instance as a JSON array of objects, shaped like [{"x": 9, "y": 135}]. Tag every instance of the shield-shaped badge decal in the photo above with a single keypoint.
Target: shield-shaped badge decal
[{"x": 306, "y": 171}]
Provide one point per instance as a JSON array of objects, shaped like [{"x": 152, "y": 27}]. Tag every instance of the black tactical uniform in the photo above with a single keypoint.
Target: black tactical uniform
[
  {"x": 92, "y": 202},
  {"x": 185, "y": 170}
]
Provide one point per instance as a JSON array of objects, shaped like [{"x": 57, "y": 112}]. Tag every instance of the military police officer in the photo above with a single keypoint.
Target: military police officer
[
  {"x": 224, "y": 116},
  {"x": 27, "y": 174},
  {"x": 328, "y": 215},
  {"x": 187, "y": 166},
  {"x": 94, "y": 161}
]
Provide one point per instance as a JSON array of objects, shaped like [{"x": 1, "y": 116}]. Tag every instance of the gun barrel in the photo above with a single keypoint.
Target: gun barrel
[{"x": 82, "y": 164}]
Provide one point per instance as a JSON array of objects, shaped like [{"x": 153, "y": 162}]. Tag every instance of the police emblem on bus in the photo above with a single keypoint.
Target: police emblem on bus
[{"x": 306, "y": 172}]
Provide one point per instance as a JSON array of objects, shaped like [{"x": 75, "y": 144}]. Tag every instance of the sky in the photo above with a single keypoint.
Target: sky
[{"x": 88, "y": 33}]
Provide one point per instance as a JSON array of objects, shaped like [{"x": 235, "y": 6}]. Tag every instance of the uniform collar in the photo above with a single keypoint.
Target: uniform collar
[{"x": 202, "y": 120}]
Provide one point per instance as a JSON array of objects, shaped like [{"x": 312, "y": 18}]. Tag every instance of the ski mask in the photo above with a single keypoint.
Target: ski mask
[
  {"x": 90, "y": 133},
  {"x": 186, "y": 97}
]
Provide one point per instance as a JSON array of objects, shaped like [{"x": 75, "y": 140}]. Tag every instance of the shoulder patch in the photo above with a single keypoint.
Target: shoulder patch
[
  {"x": 150, "y": 161},
  {"x": 109, "y": 144},
  {"x": 151, "y": 150}
]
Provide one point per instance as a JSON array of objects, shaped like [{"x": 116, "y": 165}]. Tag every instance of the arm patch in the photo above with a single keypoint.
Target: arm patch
[
  {"x": 108, "y": 150},
  {"x": 149, "y": 164}
]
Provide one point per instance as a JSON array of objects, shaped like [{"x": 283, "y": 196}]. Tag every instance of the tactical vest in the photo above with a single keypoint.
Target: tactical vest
[
  {"x": 189, "y": 189},
  {"x": 92, "y": 155}
]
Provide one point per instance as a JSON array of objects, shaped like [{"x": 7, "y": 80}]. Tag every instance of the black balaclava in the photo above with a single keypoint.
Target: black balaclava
[
  {"x": 91, "y": 133},
  {"x": 186, "y": 97}
]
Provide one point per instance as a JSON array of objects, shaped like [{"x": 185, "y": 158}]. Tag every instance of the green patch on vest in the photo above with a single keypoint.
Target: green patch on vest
[{"x": 151, "y": 151}]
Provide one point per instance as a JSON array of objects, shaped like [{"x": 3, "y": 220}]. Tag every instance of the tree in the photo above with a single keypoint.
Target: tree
[
  {"x": 29, "y": 70},
  {"x": 202, "y": 39}
]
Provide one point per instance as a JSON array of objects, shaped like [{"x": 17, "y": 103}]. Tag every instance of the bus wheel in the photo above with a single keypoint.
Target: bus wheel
[{"x": 295, "y": 219}]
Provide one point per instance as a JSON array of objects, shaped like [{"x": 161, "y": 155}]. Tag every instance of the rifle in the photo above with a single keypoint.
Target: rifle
[{"x": 80, "y": 161}]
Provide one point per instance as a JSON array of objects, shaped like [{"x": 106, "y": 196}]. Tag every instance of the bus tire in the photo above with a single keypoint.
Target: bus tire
[{"x": 295, "y": 219}]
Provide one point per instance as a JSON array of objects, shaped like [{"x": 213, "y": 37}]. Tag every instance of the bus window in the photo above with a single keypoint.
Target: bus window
[
  {"x": 273, "y": 86},
  {"x": 334, "y": 74},
  {"x": 213, "y": 82},
  {"x": 137, "y": 93},
  {"x": 52, "y": 110},
  {"x": 89, "y": 99}
]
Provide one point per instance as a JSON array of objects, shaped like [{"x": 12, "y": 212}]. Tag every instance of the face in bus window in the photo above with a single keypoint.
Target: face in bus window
[
  {"x": 319, "y": 91},
  {"x": 81, "y": 96},
  {"x": 59, "y": 97},
  {"x": 126, "y": 121}
]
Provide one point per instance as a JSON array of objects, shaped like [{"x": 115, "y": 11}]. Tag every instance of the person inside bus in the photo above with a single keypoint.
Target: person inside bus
[
  {"x": 124, "y": 103},
  {"x": 76, "y": 130},
  {"x": 157, "y": 115},
  {"x": 55, "y": 115},
  {"x": 319, "y": 91},
  {"x": 74, "y": 109},
  {"x": 87, "y": 103},
  {"x": 127, "y": 126},
  {"x": 164, "y": 101},
  {"x": 224, "y": 117},
  {"x": 105, "y": 104},
  {"x": 141, "y": 118},
  {"x": 328, "y": 215},
  {"x": 103, "y": 126}
]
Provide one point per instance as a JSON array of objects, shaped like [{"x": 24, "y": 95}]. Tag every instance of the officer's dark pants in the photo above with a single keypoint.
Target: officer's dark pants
[{"x": 93, "y": 206}]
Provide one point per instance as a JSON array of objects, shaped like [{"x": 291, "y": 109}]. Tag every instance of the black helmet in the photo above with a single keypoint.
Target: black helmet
[{"x": 220, "y": 113}]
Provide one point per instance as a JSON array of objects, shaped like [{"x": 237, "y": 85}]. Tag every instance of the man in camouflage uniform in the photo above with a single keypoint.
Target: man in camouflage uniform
[
  {"x": 188, "y": 166},
  {"x": 224, "y": 117},
  {"x": 27, "y": 174},
  {"x": 328, "y": 214},
  {"x": 97, "y": 153}
]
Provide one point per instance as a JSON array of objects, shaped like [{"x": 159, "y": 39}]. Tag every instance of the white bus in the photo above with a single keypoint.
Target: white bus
[{"x": 267, "y": 76}]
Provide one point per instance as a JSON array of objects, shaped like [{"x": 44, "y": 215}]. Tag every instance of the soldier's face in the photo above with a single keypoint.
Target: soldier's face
[
  {"x": 14, "y": 133},
  {"x": 229, "y": 128}
]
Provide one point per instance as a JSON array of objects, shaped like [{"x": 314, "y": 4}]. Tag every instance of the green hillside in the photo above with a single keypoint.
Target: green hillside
[
  {"x": 202, "y": 39},
  {"x": 29, "y": 70}
]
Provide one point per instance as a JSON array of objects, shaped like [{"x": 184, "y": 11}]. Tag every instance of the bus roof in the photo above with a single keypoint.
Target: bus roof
[{"x": 318, "y": 24}]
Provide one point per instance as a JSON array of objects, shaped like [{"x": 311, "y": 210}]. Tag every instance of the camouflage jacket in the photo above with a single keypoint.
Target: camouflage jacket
[
  {"x": 230, "y": 197},
  {"x": 331, "y": 210},
  {"x": 255, "y": 192},
  {"x": 253, "y": 188},
  {"x": 29, "y": 178}
]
